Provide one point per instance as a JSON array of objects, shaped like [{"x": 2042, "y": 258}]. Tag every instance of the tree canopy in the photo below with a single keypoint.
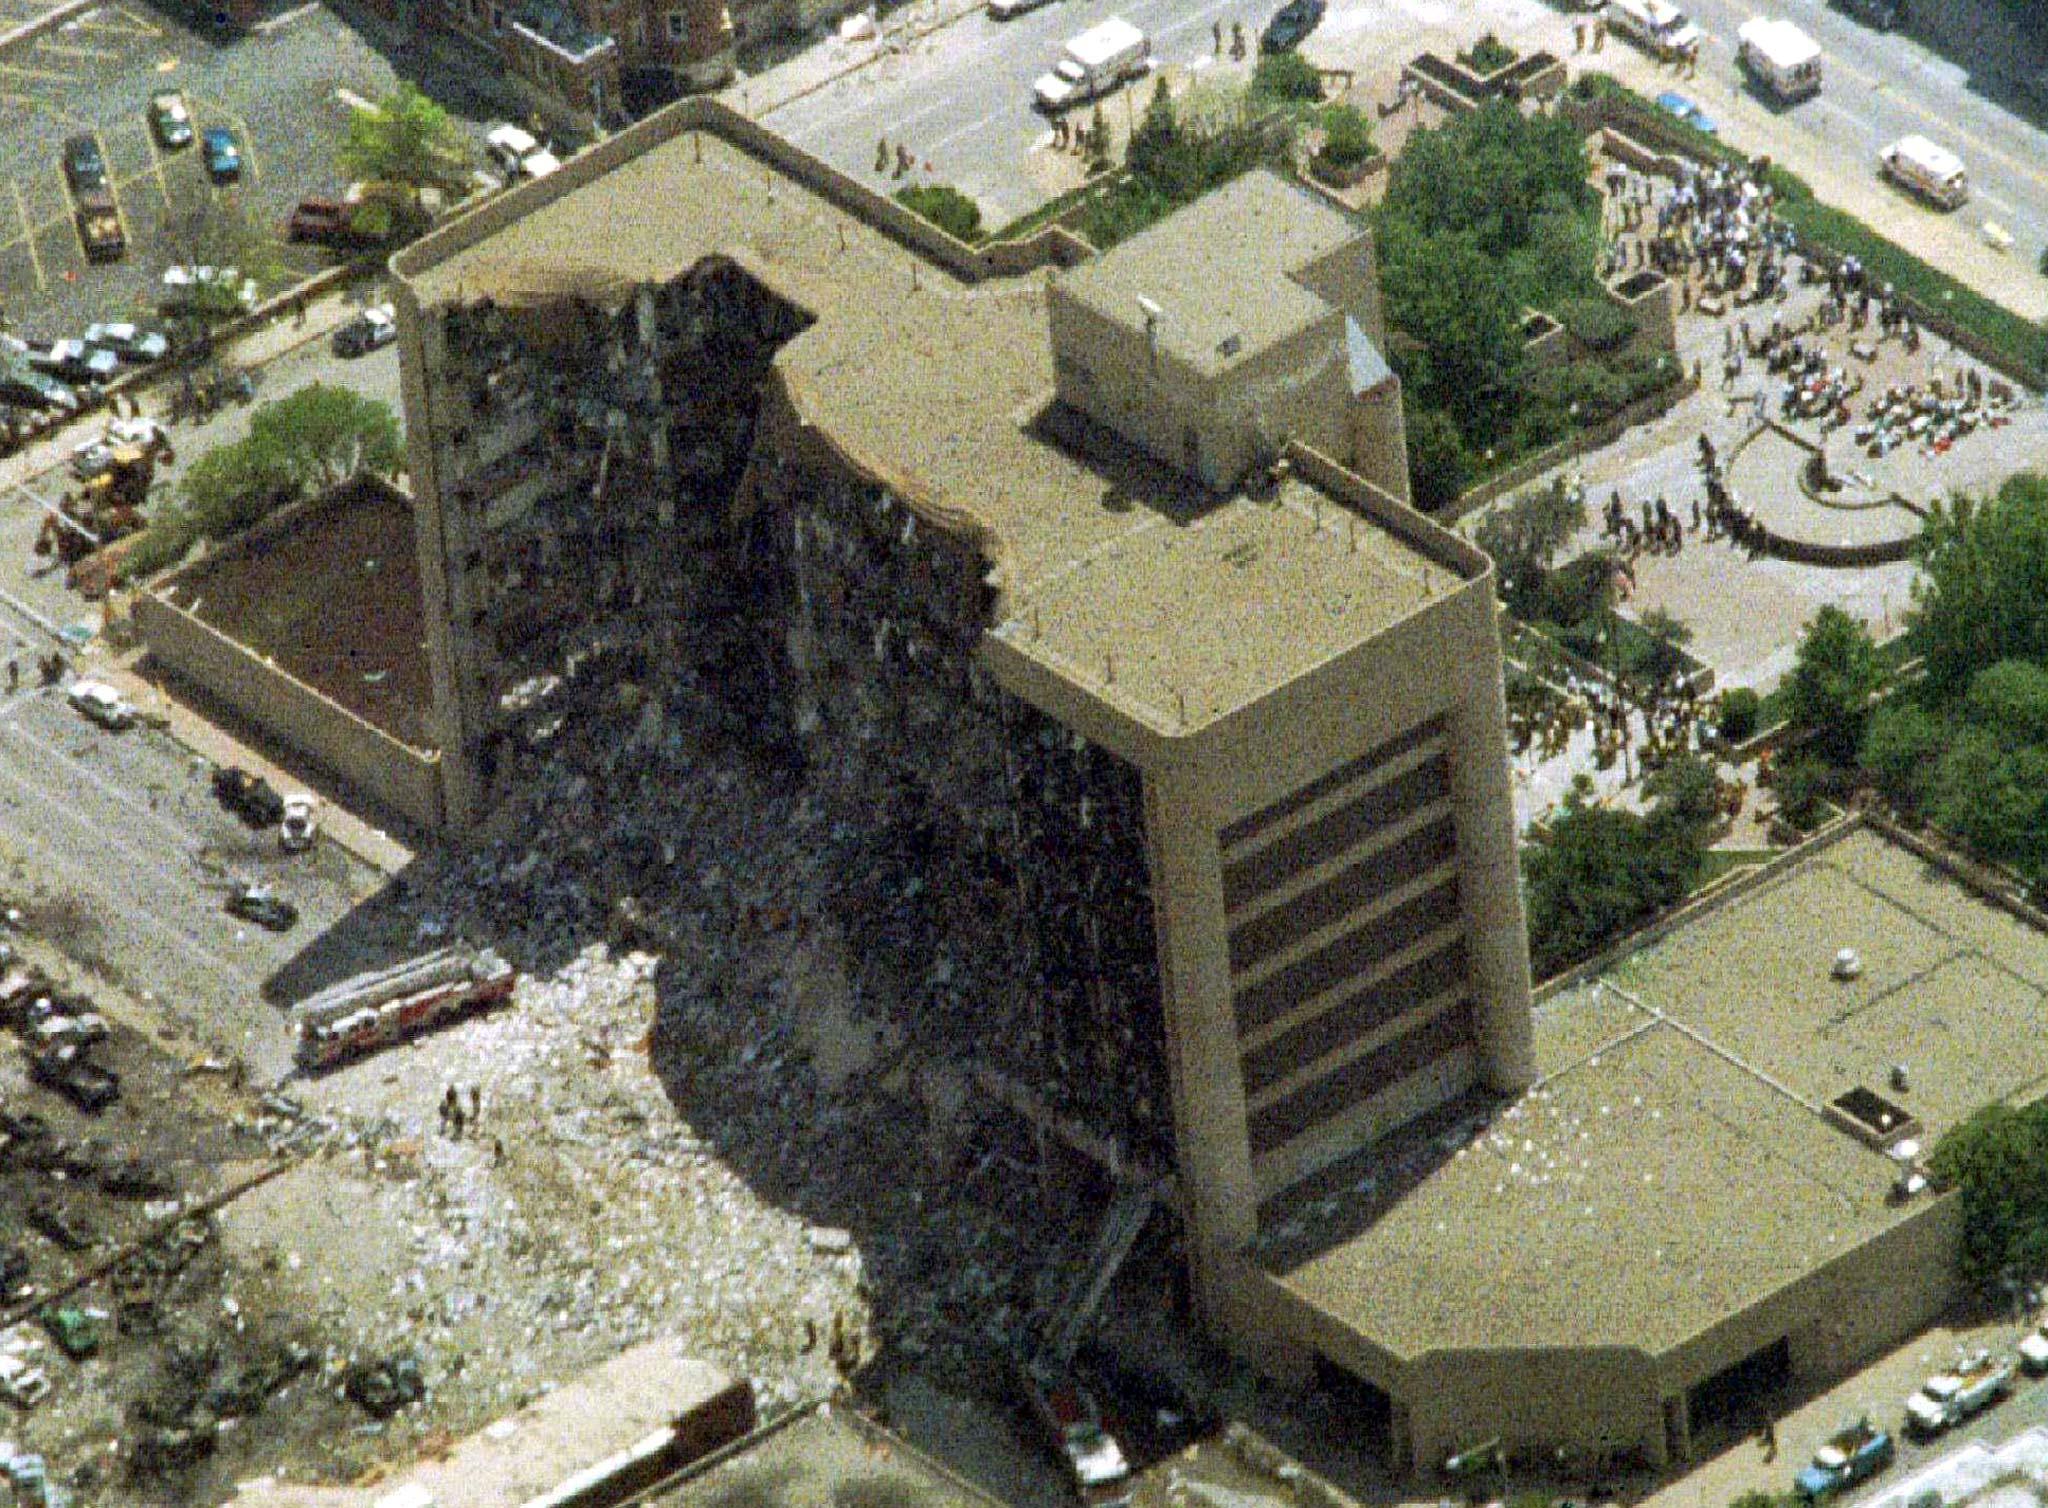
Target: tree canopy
[
  {"x": 1983, "y": 596},
  {"x": 1998, "y": 1160},
  {"x": 1836, "y": 674},
  {"x": 1524, "y": 536},
  {"x": 407, "y": 138},
  {"x": 1595, "y": 872}
]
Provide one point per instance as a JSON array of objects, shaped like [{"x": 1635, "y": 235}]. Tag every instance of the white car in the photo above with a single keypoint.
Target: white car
[
  {"x": 1002, "y": 10},
  {"x": 2034, "y": 1350},
  {"x": 129, "y": 341},
  {"x": 22, "y": 1383},
  {"x": 518, "y": 153},
  {"x": 295, "y": 833},
  {"x": 102, "y": 703},
  {"x": 375, "y": 327}
]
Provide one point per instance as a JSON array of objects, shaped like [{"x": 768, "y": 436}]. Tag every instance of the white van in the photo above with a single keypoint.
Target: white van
[
  {"x": 1933, "y": 172},
  {"x": 1657, "y": 26},
  {"x": 1781, "y": 57}
]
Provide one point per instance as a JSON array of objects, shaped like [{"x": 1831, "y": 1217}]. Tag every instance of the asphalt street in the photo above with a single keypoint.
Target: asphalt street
[
  {"x": 123, "y": 858},
  {"x": 960, "y": 97},
  {"x": 1880, "y": 87}
]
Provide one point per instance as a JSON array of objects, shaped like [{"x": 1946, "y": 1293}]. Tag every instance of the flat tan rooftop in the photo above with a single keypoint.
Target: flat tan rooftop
[
  {"x": 944, "y": 387},
  {"x": 1673, "y": 1166},
  {"x": 820, "y": 1459}
]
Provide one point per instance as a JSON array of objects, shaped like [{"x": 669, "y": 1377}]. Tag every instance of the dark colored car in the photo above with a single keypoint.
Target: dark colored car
[
  {"x": 68, "y": 1070},
  {"x": 250, "y": 797},
  {"x": 85, "y": 167},
  {"x": 263, "y": 906},
  {"x": 1885, "y": 15},
  {"x": 223, "y": 153},
  {"x": 1291, "y": 25}
]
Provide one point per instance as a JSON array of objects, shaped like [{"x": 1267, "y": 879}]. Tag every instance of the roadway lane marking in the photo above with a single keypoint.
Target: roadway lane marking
[
  {"x": 915, "y": 116},
  {"x": 287, "y": 18},
  {"x": 994, "y": 118},
  {"x": 1942, "y": 124},
  {"x": 49, "y": 801},
  {"x": 29, "y": 234},
  {"x": 140, "y": 809}
]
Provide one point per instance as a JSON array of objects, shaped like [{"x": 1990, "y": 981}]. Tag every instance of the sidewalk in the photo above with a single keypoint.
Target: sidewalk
[
  {"x": 372, "y": 845},
  {"x": 830, "y": 58}
]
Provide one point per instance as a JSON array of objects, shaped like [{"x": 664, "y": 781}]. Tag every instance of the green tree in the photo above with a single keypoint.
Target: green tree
[
  {"x": 1439, "y": 465},
  {"x": 1833, "y": 679},
  {"x": 229, "y": 488},
  {"x": 1347, "y": 136},
  {"x": 1287, "y": 77},
  {"x": 1464, "y": 348},
  {"x": 322, "y": 435},
  {"x": 1594, "y": 873},
  {"x": 1738, "y": 714},
  {"x": 1901, "y": 747},
  {"x": 1524, "y": 535},
  {"x": 406, "y": 138},
  {"x": 1983, "y": 595},
  {"x": 1998, "y": 1162}
]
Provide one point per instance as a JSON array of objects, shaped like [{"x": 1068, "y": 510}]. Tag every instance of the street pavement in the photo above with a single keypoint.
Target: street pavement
[
  {"x": 114, "y": 843},
  {"x": 953, "y": 85}
]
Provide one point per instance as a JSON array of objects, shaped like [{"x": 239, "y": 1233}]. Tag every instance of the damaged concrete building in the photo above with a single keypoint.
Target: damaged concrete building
[{"x": 1166, "y": 738}]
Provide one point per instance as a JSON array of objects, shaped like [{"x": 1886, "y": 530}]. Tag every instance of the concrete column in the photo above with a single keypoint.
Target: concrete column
[
  {"x": 421, "y": 351},
  {"x": 1202, "y": 1052},
  {"x": 1489, "y": 879}
]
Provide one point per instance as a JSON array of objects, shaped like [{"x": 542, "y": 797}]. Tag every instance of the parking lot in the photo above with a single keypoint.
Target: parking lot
[{"x": 284, "y": 91}]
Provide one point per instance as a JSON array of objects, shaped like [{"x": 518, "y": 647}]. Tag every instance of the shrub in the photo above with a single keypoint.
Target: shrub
[
  {"x": 946, "y": 207},
  {"x": 1347, "y": 137},
  {"x": 1598, "y": 324},
  {"x": 1488, "y": 55},
  {"x": 1439, "y": 465},
  {"x": 1740, "y": 711},
  {"x": 1287, "y": 76},
  {"x": 1802, "y": 784}
]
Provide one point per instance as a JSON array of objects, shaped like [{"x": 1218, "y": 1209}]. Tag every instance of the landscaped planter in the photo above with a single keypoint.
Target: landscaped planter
[{"x": 1348, "y": 176}]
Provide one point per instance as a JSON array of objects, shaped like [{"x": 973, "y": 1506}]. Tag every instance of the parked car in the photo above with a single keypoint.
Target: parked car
[
  {"x": 2034, "y": 1350},
  {"x": 250, "y": 797},
  {"x": 67, "y": 1069},
  {"x": 1003, "y": 10},
  {"x": 1072, "y": 1424},
  {"x": 85, "y": 166},
  {"x": 376, "y": 326},
  {"x": 170, "y": 120},
  {"x": 263, "y": 906},
  {"x": 298, "y": 827},
  {"x": 22, "y": 386},
  {"x": 74, "y": 361},
  {"x": 1291, "y": 25},
  {"x": 102, "y": 704},
  {"x": 1977, "y": 1381},
  {"x": 518, "y": 153},
  {"x": 130, "y": 342},
  {"x": 22, "y": 1383},
  {"x": 1677, "y": 104},
  {"x": 223, "y": 153},
  {"x": 186, "y": 288}
]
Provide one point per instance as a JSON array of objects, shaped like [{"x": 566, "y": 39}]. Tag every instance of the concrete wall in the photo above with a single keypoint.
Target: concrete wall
[{"x": 406, "y": 780}]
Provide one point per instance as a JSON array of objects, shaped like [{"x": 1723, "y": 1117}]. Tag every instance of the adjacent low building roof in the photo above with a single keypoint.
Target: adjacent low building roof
[
  {"x": 820, "y": 1458},
  {"x": 1117, "y": 574},
  {"x": 1675, "y": 1164}
]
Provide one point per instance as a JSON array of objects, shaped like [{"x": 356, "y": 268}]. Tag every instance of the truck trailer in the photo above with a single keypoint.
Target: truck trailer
[{"x": 1094, "y": 63}]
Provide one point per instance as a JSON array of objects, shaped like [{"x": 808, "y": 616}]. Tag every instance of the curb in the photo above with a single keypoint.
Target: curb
[
  {"x": 28, "y": 31},
  {"x": 912, "y": 34}
]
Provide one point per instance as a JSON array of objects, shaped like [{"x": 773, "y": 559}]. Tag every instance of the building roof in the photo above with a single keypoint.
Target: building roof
[
  {"x": 819, "y": 1458},
  {"x": 1674, "y": 1166},
  {"x": 1220, "y": 271},
  {"x": 1117, "y": 575}
]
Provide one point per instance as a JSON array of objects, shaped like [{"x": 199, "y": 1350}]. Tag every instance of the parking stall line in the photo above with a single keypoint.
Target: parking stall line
[
  {"x": 29, "y": 235},
  {"x": 47, "y": 75},
  {"x": 77, "y": 50},
  {"x": 156, "y": 168}
]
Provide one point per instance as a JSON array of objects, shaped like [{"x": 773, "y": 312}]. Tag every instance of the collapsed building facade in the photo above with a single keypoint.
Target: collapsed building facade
[{"x": 1166, "y": 739}]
